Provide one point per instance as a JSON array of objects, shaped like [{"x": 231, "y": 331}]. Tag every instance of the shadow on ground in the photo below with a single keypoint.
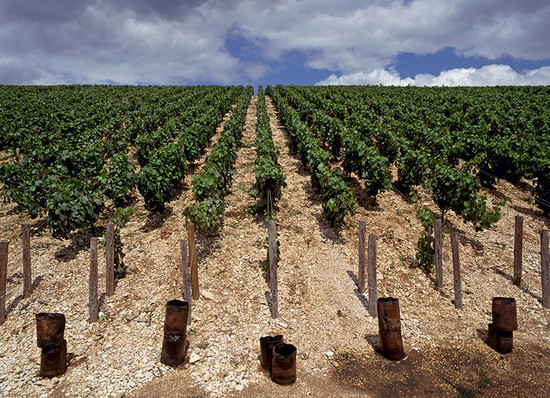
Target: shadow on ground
[{"x": 447, "y": 372}]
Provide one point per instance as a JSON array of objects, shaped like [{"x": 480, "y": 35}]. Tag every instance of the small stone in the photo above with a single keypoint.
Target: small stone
[
  {"x": 239, "y": 387},
  {"x": 329, "y": 354},
  {"x": 282, "y": 324},
  {"x": 207, "y": 295},
  {"x": 194, "y": 358}
]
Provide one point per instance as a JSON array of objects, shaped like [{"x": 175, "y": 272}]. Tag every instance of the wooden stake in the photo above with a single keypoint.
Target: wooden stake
[
  {"x": 544, "y": 268},
  {"x": 273, "y": 283},
  {"x": 518, "y": 249},
  {"x": 438, "y": 255},
  {"x": 93, "y": 299},
  {"x": 27, "y": 275},
  {"x": 456, "y": 271},
  {"x": 109, "y": 260},
  {"x": 362, "y": 257},
  {"x": 373, "y": 293},
  {"x": 3, "y": 279},
  {"x": 193, "y": 261},
  {"x": 186, "y": 277},
  {"x": 18, "y": 155}
]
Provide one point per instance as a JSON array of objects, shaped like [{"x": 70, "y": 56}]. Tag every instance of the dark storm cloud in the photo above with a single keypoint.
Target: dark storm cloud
[
  {"x": 14, "y": 73},
  {"x": 41, "y": 11},
  {"x": 169, "y": 9}
]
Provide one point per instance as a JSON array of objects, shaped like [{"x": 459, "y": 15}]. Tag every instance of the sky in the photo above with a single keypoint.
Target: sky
[{"x": 305, "y": 42}]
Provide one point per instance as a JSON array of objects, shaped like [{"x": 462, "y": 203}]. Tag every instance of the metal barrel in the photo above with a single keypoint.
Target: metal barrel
[
  {"x": 389, "y": 328},
  {"x": 174, "y": 348},
  {"x": 175, "y": 321},
  {"x": 499, "y": 340},
  {"x": 392, "y": 345},
  {"x": 388, "y": 314},
  {"x": 504, "y": 314},
  {"x": 53, "y": 360},
  {"x": 266, "y": 349},
  {"x": 50, "y": 328},
  {"x": 283, "y": 364}
]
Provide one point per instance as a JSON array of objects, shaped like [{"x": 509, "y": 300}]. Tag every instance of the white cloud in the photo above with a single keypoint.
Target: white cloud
[
  {"x": 375, "y": 77},
  {"x": 350, "y": 37},
  {"x": 169, "y": 41},
  {"x": 489, "y": 75}
]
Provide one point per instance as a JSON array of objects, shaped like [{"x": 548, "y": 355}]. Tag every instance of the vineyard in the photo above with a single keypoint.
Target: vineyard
[{"x": 151, "y": 161}]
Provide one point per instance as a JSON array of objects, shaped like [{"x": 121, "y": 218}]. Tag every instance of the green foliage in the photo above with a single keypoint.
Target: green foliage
[
  {"x": 425, "y": 250},
  {"x": 120, "y": 218},
  {"x": 368, "y": 164},
  {"x": 269, "y": 175},
  {"x": 163, "y": 174},
  {"x": 26, "y": 184},
  {"x": 207, "y": 215},
  {"x": 74, "y": 141},
  {"x": 412, "y": 168},
  {"x": 338, "y": 198},
  {"x": 542, "y": 187},
  {"x": 457, "y": 189},
  {"x": 212, "y": 184},
  {"x": 73, "y": 204},
  {"x": 359, "y": 155},
  {"x": 120, "y": 179}
]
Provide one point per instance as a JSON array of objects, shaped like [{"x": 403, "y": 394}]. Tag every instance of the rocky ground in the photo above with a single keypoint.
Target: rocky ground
[{"x": 321, "y": 311}]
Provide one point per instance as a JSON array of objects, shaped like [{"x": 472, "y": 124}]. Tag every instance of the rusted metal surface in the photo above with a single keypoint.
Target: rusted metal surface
[
  {"x": 392, "y": 345},
  {"x": 389, "y": 325},
  {"x": 283, "y": 364},
  {"x": 504, "y": 314},
  {"x": 50, "y": 328},
  {"x": 174, "y": 349},
  {"x": 499, "y": 340},
  {"x": 388, "y": 314},
  {"x": 53, "y": 360},
  {"x": 174, "y": 344},
  {"x": 267, "y": 344},
  {"x": 175, "y": 321}
]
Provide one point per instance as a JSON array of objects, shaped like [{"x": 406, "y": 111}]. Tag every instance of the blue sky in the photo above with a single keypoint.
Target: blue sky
[{"x": 413, "y": 42}]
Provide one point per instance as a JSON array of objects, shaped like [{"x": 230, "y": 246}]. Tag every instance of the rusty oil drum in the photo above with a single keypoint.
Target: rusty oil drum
[
  {"x": 389, "y": 326},
  {"x": 174, "y": 348},
  {"x": 50, "y": 328},
  {"x": 53, "y": 360},
  {"x": 175, "y": 320},
  {"x": 500, "y": 340},
  {"x": 283, "y": 364},
  {"x": 266, "y": 349},
  {"x": 504, "y": 314}
]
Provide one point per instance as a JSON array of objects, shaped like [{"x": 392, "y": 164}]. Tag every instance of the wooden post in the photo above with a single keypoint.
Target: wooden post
[
  {"x": 273, "y": 283},
  {"x": 456, "y": 271},
  {"x": 544, "y": 268},
  {"x": 518, "y": 249},
  {"x": 3, "y": 279},
  {"x": 362, "y": 257},
  {"x": 93, "y": 299},
  {"x": 186, "y": 277},
  {"x": 27, "y": 276},
  {"x": 18, "y": 155},
  {"x": 109, "y": 260},
  {"x": 438, "y": 255},
  {"x": 373, "y": 294},
  {"x": 193, "y": 261}
]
